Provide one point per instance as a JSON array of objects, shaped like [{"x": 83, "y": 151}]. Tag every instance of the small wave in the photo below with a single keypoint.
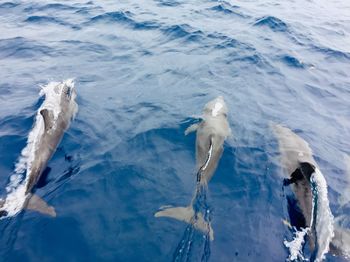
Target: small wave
[
  {"x": 183, "y": 31},
  {"x": 47, "y": 20},
  {"x": 146, "y": 25},
  {"x": 42, "y": 19},
  {"x": 88, "y": 47},
  {"x": 228, "y": 42},
  {"x": 292, "y": 61},
  {"x": 20, "y": 47},
  {"x": 8, "y": 5},
  {"x": 118, "y": 16},
  {"x": 330, "y": 52},
  {"x": 251, "y": 58},
  {"x": 255, "y": 59},
  {"x": 318, "y": 91},
  {"x": 274, "y": 23},
  {"x": 55, "y": 6},
  {"x": 124, "y": 18},
  {"x": 228, "y": 9},
  {"x": 168, "y": 3}
]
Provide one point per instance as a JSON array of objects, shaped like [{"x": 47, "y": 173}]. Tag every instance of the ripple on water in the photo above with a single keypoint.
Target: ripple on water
[
  {"x": 123, "y": 18},
  {"x": 55, "y": 7},
  {"x": 274, "y": 23},
  {"x": 292, "y": 61},
  {"x": 227, "y": 42},
  {"x": 35, "y": 19},
  {"x": 228, "y": 9},
  {"x": 331, "y": 53},
  {"x": 20, "y": 47},
  {"x": 168, "y": 3},
  {"x": 8, "y": 5},
  {"x": 183, "y": 31}
]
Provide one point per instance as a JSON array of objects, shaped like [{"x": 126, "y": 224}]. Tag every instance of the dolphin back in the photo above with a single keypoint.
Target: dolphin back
[{"x": 293, "y": 149}]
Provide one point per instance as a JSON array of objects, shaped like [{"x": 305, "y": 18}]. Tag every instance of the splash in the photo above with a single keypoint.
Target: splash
[
  {"x": 322, "y": 218},
  {"x": 296, "y": 245},
  {"x": 321, "y": 225},
  {"x": 16, "y": 189}
]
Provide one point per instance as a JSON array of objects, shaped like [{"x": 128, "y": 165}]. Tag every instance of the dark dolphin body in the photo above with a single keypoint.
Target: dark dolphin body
[
  {"x": 211, "y": 134},
  {"x": 310, "y": 189},
  {"x": 52, "y": 120}
]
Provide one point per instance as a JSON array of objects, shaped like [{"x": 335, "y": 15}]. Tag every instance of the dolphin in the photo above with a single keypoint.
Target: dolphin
[
  {"x": 52, "y": 120},
  {"x": 310, "y": 189},
  {"x": 211, "y": 133}
]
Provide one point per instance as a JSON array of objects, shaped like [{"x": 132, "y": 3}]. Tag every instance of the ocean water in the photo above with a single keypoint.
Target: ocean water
[{"x": 143, "y": 71}]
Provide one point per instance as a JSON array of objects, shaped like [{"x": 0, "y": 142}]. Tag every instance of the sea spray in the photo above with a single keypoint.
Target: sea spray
[
  {"x": 322, "y": 219},
  {"x": 296, "y": 245}
]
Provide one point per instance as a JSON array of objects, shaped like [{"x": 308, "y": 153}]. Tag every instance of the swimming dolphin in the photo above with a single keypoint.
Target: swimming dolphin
[
  {"x": 211, "y": 134},
  {"x": 310, "y": 189},
  {"x": 52, "y": 120}
]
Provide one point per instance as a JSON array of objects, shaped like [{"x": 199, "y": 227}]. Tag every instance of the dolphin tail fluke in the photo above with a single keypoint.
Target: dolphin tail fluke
[
  {"x": 187, "y": 214},
  {"x": 36, "y": 203}
]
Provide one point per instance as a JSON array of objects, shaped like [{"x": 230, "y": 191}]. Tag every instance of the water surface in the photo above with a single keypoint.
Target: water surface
[{"x": 143, "y": 70}]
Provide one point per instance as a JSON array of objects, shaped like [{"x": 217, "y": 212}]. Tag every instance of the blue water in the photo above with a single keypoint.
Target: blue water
[{"x": 143, "y": 70}]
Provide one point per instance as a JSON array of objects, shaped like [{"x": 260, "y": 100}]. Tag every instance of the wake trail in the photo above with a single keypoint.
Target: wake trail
[{"x": 189, "y": 243}]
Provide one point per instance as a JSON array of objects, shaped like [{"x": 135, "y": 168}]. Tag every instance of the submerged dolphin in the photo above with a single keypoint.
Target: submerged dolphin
[
  {"x": 211, "y": 134},
  {"x": 52, "y": 120},
  {"x": 310, "y": 189}
]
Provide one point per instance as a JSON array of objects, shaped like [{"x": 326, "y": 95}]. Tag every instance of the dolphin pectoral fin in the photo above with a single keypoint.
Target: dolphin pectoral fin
[
  {"x": 48, "y": 118},
  {"x": 186, "y": 214},
  {"x": 38, "y": 204},
  {"x": 191, "y": 128}
]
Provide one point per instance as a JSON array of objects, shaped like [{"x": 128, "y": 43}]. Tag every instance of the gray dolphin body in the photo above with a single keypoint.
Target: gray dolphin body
[
  {"x": 293, "y": 151},
  {"x": 301, "y": 169},
  {"x": 211, "y": 134},
  {"x": 52, "y": 120}
]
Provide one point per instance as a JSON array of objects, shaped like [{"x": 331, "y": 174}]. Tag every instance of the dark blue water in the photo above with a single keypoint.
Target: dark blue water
[{"x": 143, "y": 69}]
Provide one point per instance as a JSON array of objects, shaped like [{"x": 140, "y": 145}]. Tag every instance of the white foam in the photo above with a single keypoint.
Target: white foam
[
  {"x": 16, "y": 188},
  {"x": 296, "y": 245},
  {"x": 324, "y": 221}
]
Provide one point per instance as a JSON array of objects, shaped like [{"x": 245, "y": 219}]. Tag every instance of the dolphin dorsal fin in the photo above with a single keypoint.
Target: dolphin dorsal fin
[{"x": 48, "y": 118}]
